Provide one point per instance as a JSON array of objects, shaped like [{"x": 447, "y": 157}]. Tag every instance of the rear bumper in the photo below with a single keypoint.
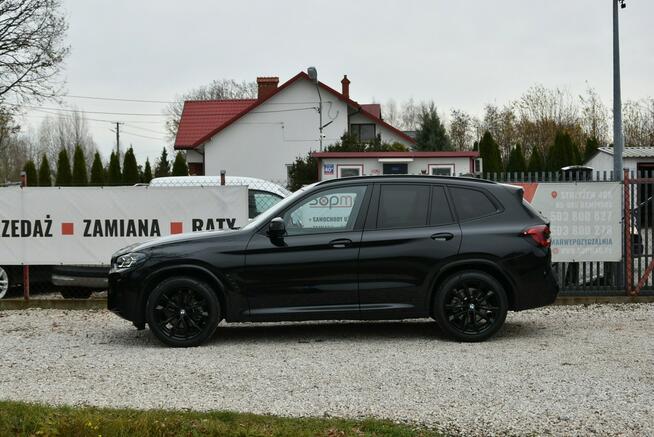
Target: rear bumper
[{"x": 535, "y": 283}]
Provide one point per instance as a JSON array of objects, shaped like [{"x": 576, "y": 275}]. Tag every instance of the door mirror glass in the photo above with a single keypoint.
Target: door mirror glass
[{"x": 277, "y": 228}]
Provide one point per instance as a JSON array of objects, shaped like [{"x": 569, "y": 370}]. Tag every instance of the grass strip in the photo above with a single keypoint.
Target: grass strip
[{"x": 28, "y": 419}]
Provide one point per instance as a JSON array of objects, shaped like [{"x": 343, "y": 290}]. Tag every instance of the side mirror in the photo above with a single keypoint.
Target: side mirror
[{"x": 277, "y": 228}]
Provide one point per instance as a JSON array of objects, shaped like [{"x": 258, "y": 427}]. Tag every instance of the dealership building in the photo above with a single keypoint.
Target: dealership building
[{"x": 332, "y": 165}]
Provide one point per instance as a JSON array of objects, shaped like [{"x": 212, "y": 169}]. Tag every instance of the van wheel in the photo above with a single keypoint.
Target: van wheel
[
  {"x": 183, "y": 312},
  {"x": 75, "y": 293},
  {"x": 470, "y": 306},
  {"x": 4, "y": 282}
]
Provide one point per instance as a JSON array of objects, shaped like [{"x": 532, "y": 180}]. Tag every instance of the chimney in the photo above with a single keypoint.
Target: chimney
[
  {"x": 345, "y": 82},
  {"x": 266, "y": 86}
]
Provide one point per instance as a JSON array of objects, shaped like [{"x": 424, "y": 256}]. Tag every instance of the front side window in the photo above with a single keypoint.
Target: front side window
[
  {"x": 363, "y": 132},
  {"x": 471, "y": 204},
  {"x": 333, "y": 210},
  {"x": 402, "y": 206}
]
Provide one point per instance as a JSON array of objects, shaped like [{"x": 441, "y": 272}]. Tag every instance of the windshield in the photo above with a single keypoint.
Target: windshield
[{"x": 274, "y": 211}]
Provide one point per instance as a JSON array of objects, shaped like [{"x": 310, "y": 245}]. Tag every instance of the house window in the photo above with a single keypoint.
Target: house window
[
  {"x": 363, "y": 132},
  {"x": 441, "y": 169},
  {"x": 396, "y": 168},
  {"x": 346, "y": 171}
]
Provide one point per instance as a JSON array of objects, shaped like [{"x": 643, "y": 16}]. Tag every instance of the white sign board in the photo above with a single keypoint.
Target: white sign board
[
  {"x": 86, "y": 225},
  {"x": 585, "y": 218}
]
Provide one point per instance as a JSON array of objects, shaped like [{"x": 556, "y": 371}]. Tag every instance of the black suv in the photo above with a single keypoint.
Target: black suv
[{"x": 463, "y": 251}]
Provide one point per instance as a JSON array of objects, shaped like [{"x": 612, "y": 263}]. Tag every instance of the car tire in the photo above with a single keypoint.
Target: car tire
[
  {"x": 470, "y": 306},
  {"x": 75, "y": 293},
  {"x": 183, "y": 312},
  {"x": 5, "y": 281}
]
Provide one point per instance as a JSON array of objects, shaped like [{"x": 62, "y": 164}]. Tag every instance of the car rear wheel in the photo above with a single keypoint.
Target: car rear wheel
[
  {"x": 470, "y": 306},
  {"x": 4, "y": 282},
  {"x": 183, "y": 312}
]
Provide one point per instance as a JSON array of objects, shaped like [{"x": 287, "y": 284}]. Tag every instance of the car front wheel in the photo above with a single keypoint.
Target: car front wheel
[
  {"x": 470, "y": 306},
  {"x": 183, "y": 312}
]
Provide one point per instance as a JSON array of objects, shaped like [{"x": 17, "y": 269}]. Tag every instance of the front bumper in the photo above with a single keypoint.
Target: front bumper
[{"x": 124, "y": 296}]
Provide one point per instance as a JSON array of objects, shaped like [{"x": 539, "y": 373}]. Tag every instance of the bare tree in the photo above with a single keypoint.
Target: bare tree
[
  {"x": 461, "y": 130},
  {"x": 65, "y": 131},
  {"x": 216, "y": 90},
  {"x": 31, "y": 48},
  {"x": 638, "y": 121},
  {"x": 391, "y": 114},
  {"x": 594, "y": 116}
]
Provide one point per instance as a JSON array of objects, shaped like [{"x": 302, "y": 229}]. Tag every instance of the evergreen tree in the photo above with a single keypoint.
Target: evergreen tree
[
  {"x": 130, "y": 168},
  {"x": 45, "y": 175},
  {"x": 489, "y": 152},
  {"x": 97, "y": 171},
  {"x": 592, "y": 144},
  {"x": 114, "y": 176},
  {"x": 80, "y": 174},
  {"x": 147, "y": 172},
  {"x": 302, "y": 172},
  {"x": 163, "y": 165},
  {"x": 431, "y": 134},
  {"x": 516, "y": 160},
  {"x": 180, "y": 168},
  {"x": 536, "y": 163},
  {"x": 64, "y": 176},
  {"x": 30, "y": 174},
  {"x": 563, "y": 152}
]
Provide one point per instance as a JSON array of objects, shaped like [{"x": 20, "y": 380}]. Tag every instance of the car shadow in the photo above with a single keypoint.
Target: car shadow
[{"x": 317, "y": 332}]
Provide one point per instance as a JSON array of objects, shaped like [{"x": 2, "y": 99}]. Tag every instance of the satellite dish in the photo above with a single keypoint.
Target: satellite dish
[{"x": 313, "y": 74}]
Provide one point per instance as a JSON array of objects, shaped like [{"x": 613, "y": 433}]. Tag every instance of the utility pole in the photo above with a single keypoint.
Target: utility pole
[
  {"x": 118, "y": 138},
  {"x": 618, "y": 138}
]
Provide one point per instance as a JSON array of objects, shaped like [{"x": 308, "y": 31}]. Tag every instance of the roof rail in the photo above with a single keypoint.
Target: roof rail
[{"x": 413, "y": 176}]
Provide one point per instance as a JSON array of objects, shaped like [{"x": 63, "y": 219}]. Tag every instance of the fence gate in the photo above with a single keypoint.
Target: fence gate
[{"x": 638, "y": 232}]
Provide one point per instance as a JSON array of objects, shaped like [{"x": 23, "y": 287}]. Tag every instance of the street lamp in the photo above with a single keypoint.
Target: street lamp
[
  {"x": 618, "y": 138},
  {"x": 313, "y": 75}
]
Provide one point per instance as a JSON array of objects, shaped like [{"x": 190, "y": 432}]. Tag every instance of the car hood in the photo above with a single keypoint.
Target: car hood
[{"x": 174, "y": 239}]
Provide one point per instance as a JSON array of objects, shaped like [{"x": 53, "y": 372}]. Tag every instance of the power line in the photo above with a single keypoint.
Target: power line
[{"x": 116, "y": 99}]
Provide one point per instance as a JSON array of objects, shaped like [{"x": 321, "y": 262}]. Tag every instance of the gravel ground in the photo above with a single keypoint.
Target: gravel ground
[{"x": 569, "y": 370}]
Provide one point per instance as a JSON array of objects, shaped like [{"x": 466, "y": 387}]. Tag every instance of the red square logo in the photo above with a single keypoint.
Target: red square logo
[
  {"x": 67, "y": 228},
  {"x": 176, "y": 227}
]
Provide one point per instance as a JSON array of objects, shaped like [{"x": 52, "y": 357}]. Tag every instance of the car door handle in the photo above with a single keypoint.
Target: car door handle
[
  {"x": 340, "y": 243},
  {"x": 442, "y": 236}
]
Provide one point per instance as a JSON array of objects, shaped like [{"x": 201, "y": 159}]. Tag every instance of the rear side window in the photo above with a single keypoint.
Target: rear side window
[
  {"x": 471, "y": 204},
  {"x": 402, "y": 206},
  {"x": 440, "y": 209}
]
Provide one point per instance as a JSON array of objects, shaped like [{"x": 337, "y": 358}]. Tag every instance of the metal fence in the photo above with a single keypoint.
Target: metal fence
[{"x": 633, "y": 275}]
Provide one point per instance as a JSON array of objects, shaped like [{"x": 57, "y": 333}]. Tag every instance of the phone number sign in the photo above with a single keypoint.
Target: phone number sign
[{"x": 585, "y": 218}]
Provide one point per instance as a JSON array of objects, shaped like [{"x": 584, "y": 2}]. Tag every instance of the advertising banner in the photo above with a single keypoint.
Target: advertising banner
[
  {"x": 585, "y": 217},
  {"x": 86, "y": 225}
]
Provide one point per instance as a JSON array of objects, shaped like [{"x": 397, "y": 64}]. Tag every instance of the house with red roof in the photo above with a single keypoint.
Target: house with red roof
[{"x": 262, "y": 137}]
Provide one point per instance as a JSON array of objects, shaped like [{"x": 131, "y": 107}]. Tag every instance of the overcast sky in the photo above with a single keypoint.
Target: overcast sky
[{"x": 461, "y": 54}]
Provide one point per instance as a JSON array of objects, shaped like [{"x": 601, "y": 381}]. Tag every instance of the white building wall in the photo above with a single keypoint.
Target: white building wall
[
  {"x": 604, "y": 162},
  {"x": 372, "y": 166},
  {"x": 274, "y": 134}
]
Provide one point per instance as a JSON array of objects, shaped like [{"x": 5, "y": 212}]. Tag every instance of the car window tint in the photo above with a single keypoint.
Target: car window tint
[
  {"x": 471, "y": 204},
  {"x": 402, "y": 206},
  {"x": 330, "y": 210},
  {"x": 440, "y": 209}
]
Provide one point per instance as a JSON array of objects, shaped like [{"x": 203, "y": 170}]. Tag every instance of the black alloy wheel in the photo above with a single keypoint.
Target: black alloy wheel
[
  {"x": 183, "y": 312},
  {"x": 470, "y": 306}
]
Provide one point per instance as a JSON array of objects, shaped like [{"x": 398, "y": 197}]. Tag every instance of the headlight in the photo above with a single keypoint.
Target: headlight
[{"x": 129, "y": 260}]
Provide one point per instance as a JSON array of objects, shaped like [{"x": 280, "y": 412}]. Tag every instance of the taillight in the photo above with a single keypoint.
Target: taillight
[{"x": 540, "y": 234}]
